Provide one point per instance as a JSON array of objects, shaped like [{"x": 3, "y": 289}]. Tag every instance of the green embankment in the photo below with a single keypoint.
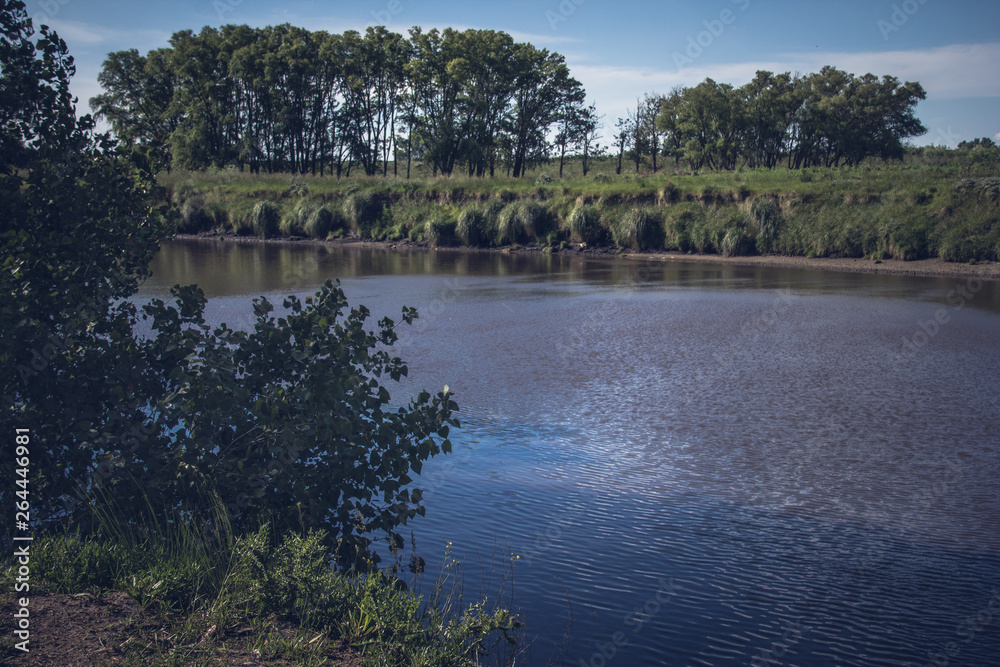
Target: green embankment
[{"x": 878, "y": 211}]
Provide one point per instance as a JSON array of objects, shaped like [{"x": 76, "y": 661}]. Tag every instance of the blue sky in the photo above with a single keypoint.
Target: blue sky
[{"x": 619, "y": 51}]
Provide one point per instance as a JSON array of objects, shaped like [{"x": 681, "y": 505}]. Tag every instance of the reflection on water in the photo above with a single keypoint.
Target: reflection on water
[{"x": 698, "y": 464}]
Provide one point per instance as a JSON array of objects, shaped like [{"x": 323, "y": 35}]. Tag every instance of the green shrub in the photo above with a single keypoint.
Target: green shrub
[
  {"x": 585, "y": 223},
  {"x": 639, "y": 228},
  {"x": 602, "y": 178},
  {"x": 265, "y": 219}
]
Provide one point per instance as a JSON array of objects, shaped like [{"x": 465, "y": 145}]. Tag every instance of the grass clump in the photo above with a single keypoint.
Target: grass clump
[
  {"x": 476, "y": 225},
  {"x": 322, "y": 222},
  {"x": 440, "y": 231},
  {"x": 768, "y": 222},
  {"x": 739, "y": 238},
  {"x": 265, "y": 219},
  {"x": 640, "y": 229},
  {"x": 585, "y": 223},
  {"x": 521, "y": 222},
  {"x": 362, "y": 210}
]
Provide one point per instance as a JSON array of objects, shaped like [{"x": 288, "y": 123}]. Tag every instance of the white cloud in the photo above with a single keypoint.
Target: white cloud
[{"x": 996, "y": 137}]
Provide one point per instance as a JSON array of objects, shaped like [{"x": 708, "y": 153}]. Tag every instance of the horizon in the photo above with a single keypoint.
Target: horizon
[{"x": 621, "y": 54}]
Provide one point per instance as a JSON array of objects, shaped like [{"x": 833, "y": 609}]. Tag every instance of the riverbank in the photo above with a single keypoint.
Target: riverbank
[
  {"x": 879, "y": 213},
  {"x": 931, "y": 267}
]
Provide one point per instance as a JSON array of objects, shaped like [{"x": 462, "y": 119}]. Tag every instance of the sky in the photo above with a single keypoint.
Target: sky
[{"x": 620, "y": 51}]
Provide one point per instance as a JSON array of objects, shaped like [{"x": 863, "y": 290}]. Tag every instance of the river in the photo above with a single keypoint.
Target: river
[{"x": 697, "y": 464}]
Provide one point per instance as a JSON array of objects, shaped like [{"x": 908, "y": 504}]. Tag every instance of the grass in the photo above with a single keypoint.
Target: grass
[
  {"x": 210, "y": 593},
  {"x": 926, "y": 207}
]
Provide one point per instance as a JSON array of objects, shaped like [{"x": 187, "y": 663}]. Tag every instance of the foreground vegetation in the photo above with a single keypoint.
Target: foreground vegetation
[
  {"x": 222, "y": 478},
  {"x": 937, "y": 203},
  {"x": 213, "y": 597}
]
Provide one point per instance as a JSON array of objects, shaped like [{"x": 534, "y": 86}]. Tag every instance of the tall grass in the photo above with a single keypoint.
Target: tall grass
[
  {"x": 639, "y": 228},
  {"x": 521, "y": 221},
  {"x": 585, "y": 224},
  {"x": 477, "y": 224},
  {"x": 906, "y": 212},
  {"x": 265, "y": 219},
  {"x": 192, "y": 577}
]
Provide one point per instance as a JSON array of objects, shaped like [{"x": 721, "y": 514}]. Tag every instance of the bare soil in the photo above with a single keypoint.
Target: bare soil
[{"x": 82, "y": 630}]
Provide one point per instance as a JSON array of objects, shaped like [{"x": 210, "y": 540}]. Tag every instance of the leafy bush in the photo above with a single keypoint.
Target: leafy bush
[
  {"x": 265, "y": 219},
  {"x": 287, "y": 422}
]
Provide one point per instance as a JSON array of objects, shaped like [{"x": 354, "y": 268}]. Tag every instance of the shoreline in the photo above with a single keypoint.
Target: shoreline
[{"x": 933, "y": 267}]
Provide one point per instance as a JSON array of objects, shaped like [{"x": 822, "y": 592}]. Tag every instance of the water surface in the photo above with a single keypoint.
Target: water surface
[{"x": 698, "y": 464}]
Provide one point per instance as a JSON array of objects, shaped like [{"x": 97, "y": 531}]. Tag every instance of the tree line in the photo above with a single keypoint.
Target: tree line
[
  {"x": 826, "y": 119},
  {"x": 287, "y": 99}
]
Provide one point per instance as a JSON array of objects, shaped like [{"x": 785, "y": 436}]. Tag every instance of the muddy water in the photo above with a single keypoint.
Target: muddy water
[{"x": 697, "y": 464}]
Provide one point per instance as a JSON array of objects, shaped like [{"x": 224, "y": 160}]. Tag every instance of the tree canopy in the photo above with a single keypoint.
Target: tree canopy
[
  {"x": 823, "y": 119},
  {"x": 284, "y": 98}
]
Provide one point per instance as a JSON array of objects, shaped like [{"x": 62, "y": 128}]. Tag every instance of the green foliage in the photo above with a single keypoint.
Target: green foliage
[
  {"x": 293, "y": 223},
  {"x": 476, "y": 224},
  {"x": 194, "y": 217},
  {"x": 362, "y": 210},
  {"x": 265, "y": 219},
  {"x": 440, "y": 231},
  {"x": 739, "y": 239},
  {"x": 239, "y": 581},
  {"x": 585, "y": 223},
  {"x": 288, "y": 422},
  {"x": 639, "y": 228},
  {"x": 322, "y": 222},
  {"x": 767, "y": 223},
  {"x": 521, "y": 222}
]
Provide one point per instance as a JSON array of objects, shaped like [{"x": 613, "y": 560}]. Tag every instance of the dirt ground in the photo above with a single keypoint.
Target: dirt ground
[{"x": 80, "y": 630}]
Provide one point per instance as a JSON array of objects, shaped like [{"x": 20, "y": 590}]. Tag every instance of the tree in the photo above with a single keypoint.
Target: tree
[
  {"x": 136, "y": 102},
  {"x": 623, "y": 135},
  {"x": 287, "y": 423}
]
